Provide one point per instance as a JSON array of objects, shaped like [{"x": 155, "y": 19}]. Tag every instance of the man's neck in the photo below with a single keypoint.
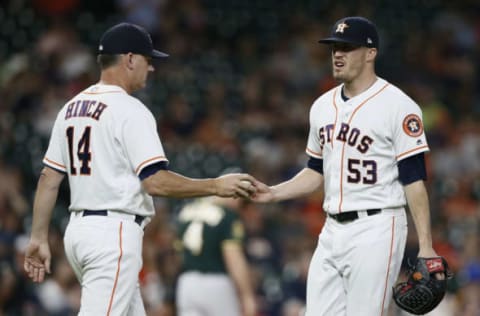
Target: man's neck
[
  {"x": 359, "y": 85},
  {"x": 112, "y": 76}
]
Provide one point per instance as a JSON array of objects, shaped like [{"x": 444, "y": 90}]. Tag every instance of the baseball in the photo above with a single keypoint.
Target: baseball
[{"x": 246, "y": 183}]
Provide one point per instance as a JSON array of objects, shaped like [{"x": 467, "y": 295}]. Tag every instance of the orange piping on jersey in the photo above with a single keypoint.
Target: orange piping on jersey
[
  {"x": 140, "y": 166},
  {"x": 336, "y": 117},
  {"x": 118, "y": 271},
  {"x": 343, "y": 147},
  {"x": 54, "y": 163},
  {"x": 314, "y": 153},
  {"x": 341, "y": 180},
  {"x": 411, "y": 150},
  {"x": 389, "y": 263},
  {"x": 361, "y": 104}
]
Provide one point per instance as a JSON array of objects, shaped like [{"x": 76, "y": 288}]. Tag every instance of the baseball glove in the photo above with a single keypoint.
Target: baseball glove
[{"x": 422, "y": 291}]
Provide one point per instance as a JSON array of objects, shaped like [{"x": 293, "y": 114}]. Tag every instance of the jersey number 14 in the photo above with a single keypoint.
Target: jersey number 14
[{"x": 83, "y": 151}]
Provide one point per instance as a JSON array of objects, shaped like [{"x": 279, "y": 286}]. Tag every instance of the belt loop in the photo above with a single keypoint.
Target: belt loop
[{"x": 362, "y": 214}]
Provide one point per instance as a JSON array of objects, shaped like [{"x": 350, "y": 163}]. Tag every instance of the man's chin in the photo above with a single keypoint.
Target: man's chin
[{"x": 338, "y": 77}]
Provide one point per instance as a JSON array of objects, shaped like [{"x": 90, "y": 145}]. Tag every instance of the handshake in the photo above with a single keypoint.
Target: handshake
[{"x": 241, "y": 185}]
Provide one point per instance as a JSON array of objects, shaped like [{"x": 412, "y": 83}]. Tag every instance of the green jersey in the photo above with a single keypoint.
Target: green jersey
[{"x": 203, "y": 228}]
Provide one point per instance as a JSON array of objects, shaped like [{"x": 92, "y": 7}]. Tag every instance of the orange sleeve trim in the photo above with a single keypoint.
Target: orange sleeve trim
[
  {"x": 140, "y": 166},
  {"x": 313, "y": 152},
  {"x": 56, "y": 164},
  {"x": 118, "y": 271},
  {"x": 411, "y": 150}
]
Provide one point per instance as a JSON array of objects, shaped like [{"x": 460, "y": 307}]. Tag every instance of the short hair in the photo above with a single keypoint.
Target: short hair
[{"x": 106, "y": 61}]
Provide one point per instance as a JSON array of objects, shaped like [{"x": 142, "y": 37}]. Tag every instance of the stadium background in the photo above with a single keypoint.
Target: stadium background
[{"x": 236, "y": 92}]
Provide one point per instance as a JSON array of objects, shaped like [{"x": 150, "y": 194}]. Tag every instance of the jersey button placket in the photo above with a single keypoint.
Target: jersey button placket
[{"x": 336, "y": 177}]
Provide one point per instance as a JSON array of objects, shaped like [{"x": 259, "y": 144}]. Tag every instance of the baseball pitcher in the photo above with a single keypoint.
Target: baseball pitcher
[{"x": 366, "y": 146}]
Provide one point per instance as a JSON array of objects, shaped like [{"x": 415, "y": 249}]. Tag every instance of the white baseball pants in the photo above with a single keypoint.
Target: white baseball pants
[
  {"x": 202, "y": 294},
  {"x": 356, "y": 264},
  {"x": 106, "y": 254}
]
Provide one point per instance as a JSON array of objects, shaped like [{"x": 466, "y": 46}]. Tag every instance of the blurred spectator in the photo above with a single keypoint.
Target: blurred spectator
[
  {"x": 55, "y": 8},
  {"x": 141, "y": 12},
  {"x": 60, "y": 294}
]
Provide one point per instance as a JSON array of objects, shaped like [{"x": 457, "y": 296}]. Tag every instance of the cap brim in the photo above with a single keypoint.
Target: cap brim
[{"x": 158, "y": 54}]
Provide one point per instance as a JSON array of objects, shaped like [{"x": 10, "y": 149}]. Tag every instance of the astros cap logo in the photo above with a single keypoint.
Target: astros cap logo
[{"x": 341, "y": 27}]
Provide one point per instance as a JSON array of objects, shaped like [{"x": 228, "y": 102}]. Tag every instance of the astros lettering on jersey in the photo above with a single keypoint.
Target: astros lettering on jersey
[{"x": 371, "y": 132}]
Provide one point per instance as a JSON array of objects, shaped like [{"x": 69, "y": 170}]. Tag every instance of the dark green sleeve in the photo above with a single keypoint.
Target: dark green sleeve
[{"x": 232, "y": 229}]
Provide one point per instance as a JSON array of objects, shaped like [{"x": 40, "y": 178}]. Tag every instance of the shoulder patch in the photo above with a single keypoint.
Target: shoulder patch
[{"x": 412, "y": 125}]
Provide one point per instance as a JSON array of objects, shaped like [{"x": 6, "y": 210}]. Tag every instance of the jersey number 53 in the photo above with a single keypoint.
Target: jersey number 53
[{"x": 364, "y": 171}]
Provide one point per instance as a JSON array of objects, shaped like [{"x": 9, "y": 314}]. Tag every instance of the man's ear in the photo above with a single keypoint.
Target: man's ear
[
  {"x": 128, "y": 60},
  {"x": 372, "y": 54}
]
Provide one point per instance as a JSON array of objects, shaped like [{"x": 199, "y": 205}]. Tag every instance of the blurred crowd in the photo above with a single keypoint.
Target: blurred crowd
[{"x": 236, "y": 91}]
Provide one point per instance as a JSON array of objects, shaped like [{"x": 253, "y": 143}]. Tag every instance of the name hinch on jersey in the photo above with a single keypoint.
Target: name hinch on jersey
[
  {"x": 350, "y": 135},
  {"x": 85, "y": 108}
]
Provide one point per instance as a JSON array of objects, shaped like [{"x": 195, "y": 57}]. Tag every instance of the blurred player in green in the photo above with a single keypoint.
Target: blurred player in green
[{"x": 214, "y": 279}]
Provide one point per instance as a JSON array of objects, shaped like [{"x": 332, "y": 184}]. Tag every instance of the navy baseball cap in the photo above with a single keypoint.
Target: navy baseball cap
[
  {"x": 126, "y": 38},
  {"x": 354, "y": 30}
]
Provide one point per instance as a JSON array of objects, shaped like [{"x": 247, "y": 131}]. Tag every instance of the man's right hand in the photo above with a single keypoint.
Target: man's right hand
[
  {"x": 235, "y": 185},
  {"x": 264, "y": 193},
  {"x": 37, "y": 260}
]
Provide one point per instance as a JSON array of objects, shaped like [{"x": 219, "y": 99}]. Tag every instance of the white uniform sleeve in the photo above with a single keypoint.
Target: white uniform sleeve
[
  {"x": 55, "y": 155},
  {"x": 314, "y": 147},
  {"x": 408, "y": 135},
  {"x": 141, "y": 140}
]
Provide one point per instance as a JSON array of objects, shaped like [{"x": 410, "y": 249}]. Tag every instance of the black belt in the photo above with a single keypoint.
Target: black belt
[
  {"x": 138, "y": 218},
  {"x": 352, "y": 215}
]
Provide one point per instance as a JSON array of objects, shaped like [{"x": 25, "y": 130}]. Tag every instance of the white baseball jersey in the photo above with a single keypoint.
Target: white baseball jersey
[
  {"x": 361, "y": 141},
  {"x": 102, "y": 139}
]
